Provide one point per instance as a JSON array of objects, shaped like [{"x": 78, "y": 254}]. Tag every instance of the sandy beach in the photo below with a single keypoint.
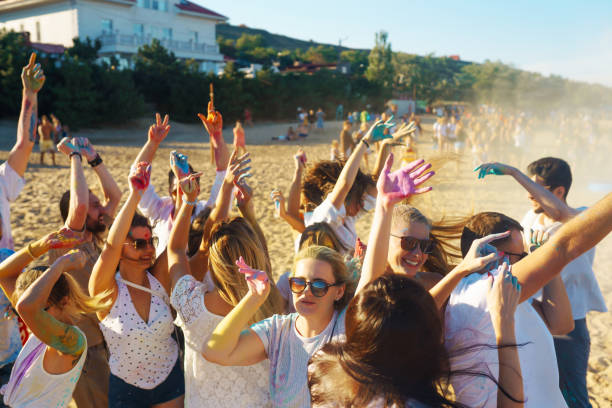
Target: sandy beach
[{"x": 457, "y": 192}]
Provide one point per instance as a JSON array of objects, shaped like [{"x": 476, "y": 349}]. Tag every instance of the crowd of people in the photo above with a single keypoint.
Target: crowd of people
[{"x": 171, "y": 301}]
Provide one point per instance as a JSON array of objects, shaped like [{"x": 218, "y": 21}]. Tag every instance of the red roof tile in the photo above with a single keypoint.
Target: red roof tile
[
  {"x": 48, "y": 48},
  {"x": 194, "y": 8}
]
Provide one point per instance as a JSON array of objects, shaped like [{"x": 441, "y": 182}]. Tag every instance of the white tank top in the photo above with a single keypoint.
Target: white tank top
[
  {"x": 141, "y": 354},
  {"x": 31, "y": 386}
]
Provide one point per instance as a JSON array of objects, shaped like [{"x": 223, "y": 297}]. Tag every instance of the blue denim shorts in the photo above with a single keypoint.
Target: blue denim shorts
[{"x": 124, "y": 395}]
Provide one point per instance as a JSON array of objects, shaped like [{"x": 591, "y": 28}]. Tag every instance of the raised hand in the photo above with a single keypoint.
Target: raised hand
[
  {"x": 502, "y": 299},
  {"x": 64, "y": 238},
  {"x": 360, "y": 250},
  {"x": 179, "y": 164},
  {"x": 67, "y": 146},
  {"x": 73, "y": 260},
  {"x": 213, "y": 122},
  {"x": 85, "y": 147},
  {"x": 377, "y": 131},
  {"x": 404, "y": 130},
  {"x": 238, "y": 168},
  {"x": 243, "y": 193},
  {"x": 536, "y": 238},
  {"x": 139, "y": 177},
  {"x": 279, "y": 202},
  {"x": 401, "y": 184},
  {"x": 300, "y": 159},
  {"x": 159, "y": 130},
  {"x": 190, "y": 186},
  {"x": 32, "y": 75},
  {"x": 498, "y": 169},
  {"x": 256, "y": 280},
  {"x": 483, "y": 256}
]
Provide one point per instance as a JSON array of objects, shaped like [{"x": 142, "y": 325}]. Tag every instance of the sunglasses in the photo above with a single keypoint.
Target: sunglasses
[
  {"x": 139, "y": 243},
  {"x": 318, "y": 287},
  {"x": 410, "y": 244}
]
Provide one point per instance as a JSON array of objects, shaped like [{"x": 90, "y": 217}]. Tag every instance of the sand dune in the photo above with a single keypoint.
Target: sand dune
[{"x": 457, "y": 191}]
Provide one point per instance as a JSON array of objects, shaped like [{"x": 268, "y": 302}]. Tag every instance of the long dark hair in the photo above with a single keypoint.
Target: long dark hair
[{"x": 394, "y": 350}]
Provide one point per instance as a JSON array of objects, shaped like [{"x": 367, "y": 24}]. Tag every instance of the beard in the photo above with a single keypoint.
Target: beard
[{"x": 95, "y": 226}]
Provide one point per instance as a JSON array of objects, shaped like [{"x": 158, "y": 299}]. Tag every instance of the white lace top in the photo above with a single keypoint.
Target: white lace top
[
  {"x": 208, "y": 384},
  {"x": 141, "y": 354}
]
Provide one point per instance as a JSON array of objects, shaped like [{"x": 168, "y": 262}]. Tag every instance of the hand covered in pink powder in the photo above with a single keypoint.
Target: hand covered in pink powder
[
  {"x": 401, "y": 184},
  {"x": 64, "y": 238},
  {"x": 257, "y": 280},
  {"x": 140, "y": 175}
]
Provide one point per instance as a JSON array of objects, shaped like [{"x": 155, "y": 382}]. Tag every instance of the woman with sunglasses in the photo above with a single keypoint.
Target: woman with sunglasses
[
  {"x": 201, "y": 306},
  {"x": 144, "y": 363},
  {"x": 50, "y": 302},
  {"x": 321, "y": 290}
]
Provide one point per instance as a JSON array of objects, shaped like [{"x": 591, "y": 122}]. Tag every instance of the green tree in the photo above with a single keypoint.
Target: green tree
[{"x": 380, "y": 67}]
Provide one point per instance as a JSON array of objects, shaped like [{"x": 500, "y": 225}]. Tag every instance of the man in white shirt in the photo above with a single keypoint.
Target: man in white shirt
[{"x": 548, "y": 184}]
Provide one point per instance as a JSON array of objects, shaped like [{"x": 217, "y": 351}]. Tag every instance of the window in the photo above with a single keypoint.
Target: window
[
  {"x": 194, "y": 36},
  {"x": 107, "y": 25},
  {"x": 167, "y": 33},
  {"x": 144, "y": 3},
  {"x": 38, "y": 31},
  {"x": 161, "y": 5},
  {"x": 139, "y": 30},
  {"x": 155, "y": 32}
]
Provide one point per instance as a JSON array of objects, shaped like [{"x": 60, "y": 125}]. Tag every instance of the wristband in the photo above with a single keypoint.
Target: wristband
[
  {"x": 365, "y": 143},
  {"x": 194, "y": 202},
  {"x": 76, "y": 154},
  {"x": 29, "y": 251},
  {"x": 96, "y": 161}
]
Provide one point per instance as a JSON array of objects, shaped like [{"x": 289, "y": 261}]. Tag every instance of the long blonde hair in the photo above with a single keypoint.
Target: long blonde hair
[
  {"x": 79, "y": 302},
  {"x": 230, "y": 240}
]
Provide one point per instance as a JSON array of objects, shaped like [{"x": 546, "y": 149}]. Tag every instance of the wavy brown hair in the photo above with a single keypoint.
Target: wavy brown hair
[
  {"x": 229, "y": 240},
  {"x": 321, "y": 178},
  {"x": 445, "y": 234}
]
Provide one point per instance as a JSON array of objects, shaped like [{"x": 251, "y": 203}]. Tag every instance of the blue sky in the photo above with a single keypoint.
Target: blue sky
[{"x": 568, "y": 38}]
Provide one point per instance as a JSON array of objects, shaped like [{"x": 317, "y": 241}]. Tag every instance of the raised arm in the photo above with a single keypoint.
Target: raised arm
[
  {"x": 244, "y": 195},
  {"x": 392, "y": 188},
  {"x": 296, "y": 223},
  {"x": 14, "y": 265},
  {"x": 230, "y": 343},
  {"x": 33, "y": 79},
  {"x": 157, "y": 133},
  {"x": 33, "y": 303},
  {"x": 102, "y": 277},
  {"x": 575, "y": 237},
  {"x": 79, "y": 193},
  {"x": 178, "y": 264},
  {"x": 475, "y": 260},
  {"x": 112, "y": 193},
  {"x": 552, "y": 205},
  {"x": 293, "y": 200},
  {"x": 502, "y": 300},
  {"x": 213, "y": 122}
]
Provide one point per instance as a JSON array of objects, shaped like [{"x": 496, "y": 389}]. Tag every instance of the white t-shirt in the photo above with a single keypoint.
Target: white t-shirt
[
  {"x": 208, "y": 384},
  {"x": 468, "y": 323},
  {"x": 289, "y": 352},
  {"x": 580, "y": 283},
  {"x": 160, "y": 210},
  {"x": 11, "y": 185},
  {"x": 30, "y": 386}
]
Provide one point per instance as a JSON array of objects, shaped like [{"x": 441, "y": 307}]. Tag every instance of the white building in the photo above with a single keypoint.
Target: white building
[{"x": 122, "y": 26}]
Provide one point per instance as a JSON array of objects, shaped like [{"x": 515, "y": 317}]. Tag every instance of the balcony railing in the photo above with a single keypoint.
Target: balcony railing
[{"x": 172, "y": 45}]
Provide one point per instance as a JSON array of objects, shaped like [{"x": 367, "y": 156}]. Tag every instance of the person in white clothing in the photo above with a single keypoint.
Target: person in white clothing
[
  {"x": 138, "y": 326},
  {"x": 201, "y": 306},
  {"x": 49, "y": 301},
  {"x": 548, "y": 184},
  {"x": 321, "y": 286},
  {"x": 161, "y": 211},
  {"x": 468, "y": 321},
  {"x": 13, "y": 169}
]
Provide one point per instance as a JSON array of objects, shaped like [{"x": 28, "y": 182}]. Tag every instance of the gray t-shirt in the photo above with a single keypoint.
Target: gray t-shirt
[{"x": 289, "y": 352}]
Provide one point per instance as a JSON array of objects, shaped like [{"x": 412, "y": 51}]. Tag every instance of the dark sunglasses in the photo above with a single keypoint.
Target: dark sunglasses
[
  {"x": 139, "y": 243},
  {"x": 410, "y": 243},
  {"x": 318, "y": 287}
]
